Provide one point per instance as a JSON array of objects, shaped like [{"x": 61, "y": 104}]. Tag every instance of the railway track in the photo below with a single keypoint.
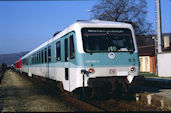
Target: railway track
[
  {"x": 109, "y": 105},
  {"x": 113, "y": 105}
]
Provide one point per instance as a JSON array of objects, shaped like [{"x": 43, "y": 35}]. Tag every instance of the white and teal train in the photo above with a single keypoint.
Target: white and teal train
[{"x": 87, "y": 54}]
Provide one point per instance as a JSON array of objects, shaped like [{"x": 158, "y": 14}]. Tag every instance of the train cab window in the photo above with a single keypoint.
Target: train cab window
[
  {"x": 72, "y": 51},
  {"x": 49, "y": 53},
  {"x": 58, "y": 51},
  {"x": 66, "y": 50},
  {"x": 97, "y": 40},
  {"x": 42, "y": 56},
  {"x": 45, "y": 55}
]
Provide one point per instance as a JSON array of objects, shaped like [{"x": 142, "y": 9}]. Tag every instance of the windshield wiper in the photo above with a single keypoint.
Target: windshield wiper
[
  {"x": 91, "y": 52},
  {"x": 131, "y": 52}
]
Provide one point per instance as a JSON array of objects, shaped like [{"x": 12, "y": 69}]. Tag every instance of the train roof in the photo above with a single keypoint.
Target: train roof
[{"x": 80, "y": 24}]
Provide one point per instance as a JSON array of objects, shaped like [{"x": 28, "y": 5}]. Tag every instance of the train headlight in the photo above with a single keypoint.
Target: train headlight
[
  {"x": 132, "y": 69},
  {"x": 91, "y": 71}
]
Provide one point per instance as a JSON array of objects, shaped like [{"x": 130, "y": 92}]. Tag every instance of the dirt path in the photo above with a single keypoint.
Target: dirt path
[{"x": 18, "y": 94}]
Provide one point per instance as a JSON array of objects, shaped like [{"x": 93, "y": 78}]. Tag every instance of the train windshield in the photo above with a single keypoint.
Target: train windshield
[{"x": 107, "y": 40}]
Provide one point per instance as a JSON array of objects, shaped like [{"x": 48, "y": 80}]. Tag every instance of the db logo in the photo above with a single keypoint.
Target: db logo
[{"x": 111, "y": 55}]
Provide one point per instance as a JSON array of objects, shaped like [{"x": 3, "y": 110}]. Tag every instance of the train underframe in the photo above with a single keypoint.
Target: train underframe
[{"x": 103, "y": 87}]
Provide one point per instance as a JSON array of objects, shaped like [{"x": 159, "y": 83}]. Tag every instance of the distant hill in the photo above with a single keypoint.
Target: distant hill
[{"x": 11, "y": 58}]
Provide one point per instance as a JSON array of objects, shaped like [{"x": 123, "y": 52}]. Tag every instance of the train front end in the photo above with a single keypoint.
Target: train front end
[{"x": 110, "y": 57}]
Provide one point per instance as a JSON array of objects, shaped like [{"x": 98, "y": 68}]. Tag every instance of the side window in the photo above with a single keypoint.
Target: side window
[
  {"x": 26, "y": 61},
  {"x": 39, "y": 58},
  {"x": 58, "y": 51},
  {"x": 49, "y": 53},
  {"x": 42, "y": 56},
  {"x": 45, "y": 55},
  {"x": 35, "y": 58},
  {"x": 21, "y": 63},
  {"x": 66, "y": 50},
  {"x": 72, "y": 50},
  {"x": 32, "y": 59}
]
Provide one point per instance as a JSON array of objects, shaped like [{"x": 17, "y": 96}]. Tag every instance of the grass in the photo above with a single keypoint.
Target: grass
[{"x": 147, "y": 74}]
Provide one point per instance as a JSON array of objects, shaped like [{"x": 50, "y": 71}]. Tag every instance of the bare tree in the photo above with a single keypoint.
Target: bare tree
[{"x": 132, "y": 11}]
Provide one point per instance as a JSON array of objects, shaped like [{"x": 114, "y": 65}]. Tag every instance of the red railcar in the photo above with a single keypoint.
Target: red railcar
[{"x": 18, "y": 64}]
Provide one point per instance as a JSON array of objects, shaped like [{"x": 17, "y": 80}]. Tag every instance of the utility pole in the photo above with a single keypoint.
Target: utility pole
[
  {"x": 159, "y": 33},
  {"x": 159, "y": 29}
]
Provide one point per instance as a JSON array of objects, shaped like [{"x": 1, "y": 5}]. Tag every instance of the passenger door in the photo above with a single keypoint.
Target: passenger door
[
  {"x": 66, "y": 60},
  {"x": 49, "y": 61},
  {"x": 69, "y": 54},
  {"x": 29, "y": 64},
  {"x": 66, "y": 83}
]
